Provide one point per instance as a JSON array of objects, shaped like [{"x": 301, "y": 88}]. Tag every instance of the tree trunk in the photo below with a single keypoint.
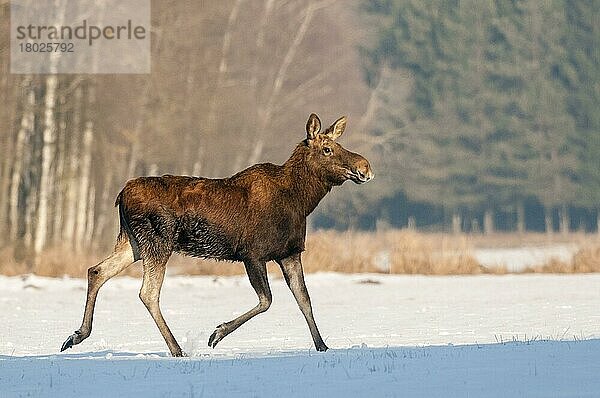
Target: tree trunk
[
  {"x": 9, "y": 154},
  {"x": 456, "y": 223},
  {"x": 520, "y": 218},
  {"x": 84, "y": 188},
  {"x": 90, "y": 214},
  {"x": 488, "y": 222},
  {"x": 73, "y": 172},
  {"x": 373, "y": 102},
  {"x": 47, "y": 177},
  {"x": 61, "y": 149},
  {"x": 548, "y": 221},
  {"x": 412, "y": 223},
  {"x": 186, "y": 138},
  {"x": 30, "y": 183},
  {"x": 153, "y": 170},
  {"x": 105, "y": 207},
  {"x": 23, "y": 135},
  {"x": 564, "y": 220},
  {"x": 211, "y": 119},
  {"x": 197, "y": 169},
  {"x": 134, "y": 148},
  {"x": 475, "y": 226},
  {"x": 30, "y": 205}
]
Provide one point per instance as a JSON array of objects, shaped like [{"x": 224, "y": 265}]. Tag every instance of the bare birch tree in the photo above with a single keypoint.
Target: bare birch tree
[
  {"x": 24, "y": 133},
  {"x": 84, "y": 188},
  {"x": 72, "y": 177},
  {"x": 47, "y": 177}
]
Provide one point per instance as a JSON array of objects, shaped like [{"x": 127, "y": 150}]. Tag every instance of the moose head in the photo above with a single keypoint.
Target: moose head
[{"x": 335, "y": 163}]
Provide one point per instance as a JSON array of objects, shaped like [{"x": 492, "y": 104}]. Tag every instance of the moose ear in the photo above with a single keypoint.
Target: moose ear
[
  {"x": 337, "y": 128},
  {"x": 313, "y": 126}
]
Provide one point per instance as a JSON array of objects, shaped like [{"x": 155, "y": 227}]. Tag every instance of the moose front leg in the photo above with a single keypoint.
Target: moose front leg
[
  {"x": 294, "y": 277},
  {"x": 257, "y": 273}
]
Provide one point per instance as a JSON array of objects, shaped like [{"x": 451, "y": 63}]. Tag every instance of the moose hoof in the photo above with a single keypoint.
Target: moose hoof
[
  {"x": 179, "y": 354},
  {"x": 218, "y": 334},
  {"x": 321, "y": 347},
  {"x": 73, "y": 339}
]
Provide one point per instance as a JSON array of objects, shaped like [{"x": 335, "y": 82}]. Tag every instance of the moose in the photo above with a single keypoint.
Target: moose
[{"x": 255, "y": 216}]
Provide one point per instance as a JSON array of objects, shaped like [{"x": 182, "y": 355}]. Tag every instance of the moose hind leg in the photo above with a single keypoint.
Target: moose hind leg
[
  {"x": 294, "y": 277},
  {"x": 257, "y": 273},
  {"x": 121, "y": 258},
  {"x": 154, "y": 274}
]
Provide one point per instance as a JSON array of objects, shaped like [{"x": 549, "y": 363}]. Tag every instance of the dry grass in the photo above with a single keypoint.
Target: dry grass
[
  {"x": 54, "y": 262},
  {"x": 586, "y": 260},
  {"x": 394, "y": 251}
]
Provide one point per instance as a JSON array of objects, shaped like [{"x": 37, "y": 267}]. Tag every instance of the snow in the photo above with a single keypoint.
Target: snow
[
  {"x": 516, "y": 259},
  {"x": 484, "y": 336}
]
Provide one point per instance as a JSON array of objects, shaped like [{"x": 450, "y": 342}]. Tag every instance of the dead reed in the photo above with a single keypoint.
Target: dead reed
[
  {"x": 393, "y": 251},
  {"x": 586, "y": 260}
]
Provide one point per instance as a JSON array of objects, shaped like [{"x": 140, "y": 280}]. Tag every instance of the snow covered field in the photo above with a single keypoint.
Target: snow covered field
[
  {"x": 516, "y": 259},
  {"x": 390, "y": 336}
]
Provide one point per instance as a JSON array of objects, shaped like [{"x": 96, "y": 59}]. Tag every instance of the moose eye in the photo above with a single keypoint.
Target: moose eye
[{"x": 327, "y": 151}]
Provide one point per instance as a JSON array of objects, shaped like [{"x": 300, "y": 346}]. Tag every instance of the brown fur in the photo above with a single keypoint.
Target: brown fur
[{"x": 255, "y": 216}]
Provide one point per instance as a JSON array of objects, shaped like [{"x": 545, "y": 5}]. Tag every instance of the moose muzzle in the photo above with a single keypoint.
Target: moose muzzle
[{"x": 361, "y": 172}]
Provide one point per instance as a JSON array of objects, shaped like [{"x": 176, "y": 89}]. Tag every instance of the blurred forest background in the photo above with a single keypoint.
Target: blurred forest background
[{"x": 477, "y": 115}]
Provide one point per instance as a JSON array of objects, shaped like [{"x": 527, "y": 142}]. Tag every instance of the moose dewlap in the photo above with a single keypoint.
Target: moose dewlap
[{"x": 255, "y": 216}]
